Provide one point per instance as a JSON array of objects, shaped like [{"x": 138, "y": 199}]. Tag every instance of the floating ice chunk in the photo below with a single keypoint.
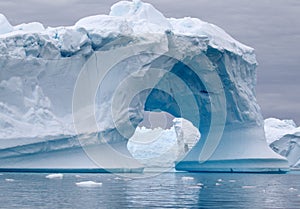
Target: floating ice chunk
[
  {"x": 9, "y": 180},
  {"x": 78, "y": 176},
  {"x": 89, "y": 184},
  {"x": 187, "y": 178},
  {"x": 232, "y": 181},
  {"x": 55, "y": 176},
  {"x": 200, "y": 184},
  {"x": 220, "y": 180},
  {"x": 292, "y": 189},
  {"x": 248, "y": 187},
  {"x": 218, "y": 184},
  {"x": 195, "y": 187}
]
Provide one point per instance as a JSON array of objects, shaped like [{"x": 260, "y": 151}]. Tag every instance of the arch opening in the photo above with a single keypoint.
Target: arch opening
[{"x": 161, "y": 139}]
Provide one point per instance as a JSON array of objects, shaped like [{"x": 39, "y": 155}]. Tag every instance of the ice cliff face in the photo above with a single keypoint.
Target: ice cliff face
[{"x": 199, "y": 73}]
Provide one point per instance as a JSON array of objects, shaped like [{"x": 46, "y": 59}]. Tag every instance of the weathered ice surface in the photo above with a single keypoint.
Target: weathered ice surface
[
  {"x": 85, "y": 87},
  {"x": 284, "y": 138}
]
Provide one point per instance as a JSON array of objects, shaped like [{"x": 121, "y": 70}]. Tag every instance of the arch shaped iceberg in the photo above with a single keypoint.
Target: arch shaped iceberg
[{"x": 187, "y": 67}]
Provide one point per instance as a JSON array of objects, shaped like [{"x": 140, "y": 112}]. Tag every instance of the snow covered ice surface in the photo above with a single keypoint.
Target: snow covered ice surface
[{"x": 210, "y": 83}]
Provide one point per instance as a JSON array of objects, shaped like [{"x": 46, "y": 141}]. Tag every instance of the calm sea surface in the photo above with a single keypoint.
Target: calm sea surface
[{"x": 168, "y": 190}]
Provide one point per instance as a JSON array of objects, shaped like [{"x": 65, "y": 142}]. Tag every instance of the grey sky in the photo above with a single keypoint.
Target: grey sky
[{"x": 272, "y": 27}]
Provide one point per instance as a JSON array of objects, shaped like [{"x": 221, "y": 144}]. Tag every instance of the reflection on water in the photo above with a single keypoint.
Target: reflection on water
[{"x": 172, "y": 190}]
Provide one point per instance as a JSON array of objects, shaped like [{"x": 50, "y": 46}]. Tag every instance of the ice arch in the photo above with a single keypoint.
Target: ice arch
[{"x": 211, "y": 88}]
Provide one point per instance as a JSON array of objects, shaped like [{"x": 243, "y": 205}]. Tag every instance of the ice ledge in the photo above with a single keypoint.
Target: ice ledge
[{"x": 250, "y": 166}]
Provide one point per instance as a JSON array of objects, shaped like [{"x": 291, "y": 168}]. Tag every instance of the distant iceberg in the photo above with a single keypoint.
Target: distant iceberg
[
  {"x": 276, "y": 128},
  {"x": 284, "y": 138}
]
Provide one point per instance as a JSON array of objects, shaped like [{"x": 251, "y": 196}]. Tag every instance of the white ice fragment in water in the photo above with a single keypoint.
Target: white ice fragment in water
[
  {"x": 292, "y": 189},
  {"x": 218, "y": 184},
  {"x": 200, "y": 184},
  {"x": 9, "y": 180},
  {"x": 195, "y": 187},
  {"x": 248, "y": 187},
  {"x": 89, "y": 184},
  {"x": 232, "y": 180},
  {"x": 220, "y": 180},
  {"x": 187, "y": 178},
  {"x": 55, "y": 176}
]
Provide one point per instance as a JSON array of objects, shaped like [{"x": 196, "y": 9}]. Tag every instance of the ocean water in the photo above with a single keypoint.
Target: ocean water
[{"x": 167, "y": 190}]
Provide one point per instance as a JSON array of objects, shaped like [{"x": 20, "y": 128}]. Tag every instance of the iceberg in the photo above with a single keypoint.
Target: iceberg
[
  {"x": 289, "y": 147},
  {"x": 276, "y": 128},
  {"x": 284, "y": 138},
  {"x": 71, "y": 97}
]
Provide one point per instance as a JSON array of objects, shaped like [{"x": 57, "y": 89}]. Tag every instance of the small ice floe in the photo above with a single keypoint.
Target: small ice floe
[
  {"x": 195, "y": 187},
  {"x": 232, "y": 181},
  {"x": 248, "y": 187},
  {"x": 117, "y": 178},
  {"x": 187, "y": 178},
  {"x": 220, "y": 180},
  {"x": 292, "y": 189},
  {"x": 218, "y": 184},
  {"x": 200, "y": 184},
  {"x": 89, "y": 184},
  {"x": 78, "y": 176},
  {"x": 9, "y": 180},
  {"x": 55, "y": 176}
]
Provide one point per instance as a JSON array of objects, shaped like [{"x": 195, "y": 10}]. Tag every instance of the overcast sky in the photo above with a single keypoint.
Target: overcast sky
[{"x": 272, "y": 27}]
